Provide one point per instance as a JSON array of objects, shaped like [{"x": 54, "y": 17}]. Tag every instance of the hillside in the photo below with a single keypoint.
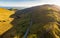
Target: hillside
[
  {"x": 44, "y": 18},
  {"x": 35, "y": 22},
  {"x": 5, "y": 20}
]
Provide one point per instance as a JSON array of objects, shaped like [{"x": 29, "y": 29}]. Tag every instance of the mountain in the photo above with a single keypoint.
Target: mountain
[
  {"x": 19, "y": 8},
  {"x": 36, "y": 22},
  {"x": 45, "y": 21}
]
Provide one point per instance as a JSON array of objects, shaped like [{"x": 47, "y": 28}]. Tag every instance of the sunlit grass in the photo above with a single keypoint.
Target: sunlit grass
[{"x": 5, "y": 20}]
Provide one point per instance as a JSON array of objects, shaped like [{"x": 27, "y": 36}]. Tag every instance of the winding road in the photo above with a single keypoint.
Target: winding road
[{"x": 28, "y": 29}]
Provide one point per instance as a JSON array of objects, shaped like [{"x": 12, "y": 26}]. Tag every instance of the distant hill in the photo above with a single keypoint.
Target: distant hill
[
  {"x": 19, "y": 8},
  {"x": 45, "y": 19}
]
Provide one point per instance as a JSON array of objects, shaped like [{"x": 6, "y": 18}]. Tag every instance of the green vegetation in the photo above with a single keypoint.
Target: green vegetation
[{"x": 45, "y": 24}]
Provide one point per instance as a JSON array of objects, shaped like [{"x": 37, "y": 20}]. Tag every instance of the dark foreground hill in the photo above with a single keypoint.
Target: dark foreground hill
[{"x": 41, "y": 21}]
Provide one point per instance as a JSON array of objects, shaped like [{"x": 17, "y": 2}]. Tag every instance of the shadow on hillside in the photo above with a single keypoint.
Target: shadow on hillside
[
  {"x": 19, "y": 23},
  {"x": 20, "y": 15},
  {"x": 16, "y": 22},
  {"x": 21, "y": 20}
]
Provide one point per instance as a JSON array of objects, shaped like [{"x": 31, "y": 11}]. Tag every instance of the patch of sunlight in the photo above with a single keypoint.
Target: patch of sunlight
[
  {"x": 55, "y": 35},
  {"x": 49, "y": 8},
  {"x": 5, "y": 20},
  {"x": 32, "y": 36}
]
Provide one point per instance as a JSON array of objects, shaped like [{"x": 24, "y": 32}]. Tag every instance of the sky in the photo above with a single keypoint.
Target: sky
[{"x": 26, "y": 3}]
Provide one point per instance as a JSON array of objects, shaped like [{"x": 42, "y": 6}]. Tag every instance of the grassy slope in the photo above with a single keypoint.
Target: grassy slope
[
  {"x": 44, "y": 18},
  {"x": 5, "y": 20},
  {"x": 37, "y": 28}
]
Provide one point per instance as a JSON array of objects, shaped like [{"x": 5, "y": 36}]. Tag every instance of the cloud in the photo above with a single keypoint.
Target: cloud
[
  {"x": 28, "y": 3},
  {"x": 14, "y": 0},
  {"x": 18, "y": 4}
]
